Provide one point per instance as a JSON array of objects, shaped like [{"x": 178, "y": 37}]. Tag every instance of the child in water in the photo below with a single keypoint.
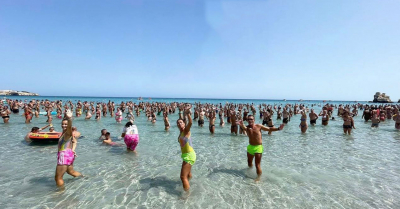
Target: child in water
[{"x": 108, "y": 140}]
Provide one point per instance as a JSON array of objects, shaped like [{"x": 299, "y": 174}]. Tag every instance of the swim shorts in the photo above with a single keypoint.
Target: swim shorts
[
  {"x": 189, "y": 157},
  {"x": 131, "y": 141},
  {"x": 313, "y": 121},
  {"x": 253, "y": 149},
  {"x": 65, "y": 157},
  {"x": 201, "y": 121}
]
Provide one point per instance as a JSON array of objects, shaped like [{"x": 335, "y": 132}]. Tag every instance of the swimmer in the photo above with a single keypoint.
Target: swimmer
[
  {"x": 348, "y": 122},
  {"x": 212, "y": 117},
  {"x": 166, "y": 121},
  {"x": 75, "y": 132},
  {"x": 188, "y": 154},
  {"x": 375, "y": 119},
  {"x": 103, "y": 134},
  {"x": 221, "y": 118},
  {"x": 35, "y": 130},
  {"x": 396, "y": 118},
  {"x": 313, "y": 117},
  {"x": 107, "y": 140},
  {"x": 51, "y": 129},
  {"x": 286, "y": 116},
  {"x": 255, "y": 148},
  {"x": 303, "y": 124},
  {"x": 325, "y": 117},
  {"x": 201, "y": 117},
  {"x": 5, "y": 114},
  {"x": 118, "y": 115},
  {"x": 66, "y": 151},
  {"x": 28, "y": 114},
  {"x": 88, "y": 115},
  {"x": 131, "y": 136},
  {"x": 234, "y": 125},
  {"x": 366, "y": 114}
]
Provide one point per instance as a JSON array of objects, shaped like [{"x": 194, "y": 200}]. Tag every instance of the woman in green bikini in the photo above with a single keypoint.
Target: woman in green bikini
[{"x": 188, "y": 154}]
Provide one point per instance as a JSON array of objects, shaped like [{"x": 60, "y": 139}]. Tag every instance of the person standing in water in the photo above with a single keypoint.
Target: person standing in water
[
  {"x": 130, "y": 134},
  {"x": 166, "y": 121},
  {"x": 396, "y": 118},
  {"x": 348, "y": 122},
  {"x": 313, "y": 117},
  {"x": 188, "y": 155},
  {"x": 303, "y": 124},
  {"x": 5, "y": 114},
  {"x": 255, "y": 147},
  {"x": 211, "y": 116},
  {"x": 66, "y": 151}
]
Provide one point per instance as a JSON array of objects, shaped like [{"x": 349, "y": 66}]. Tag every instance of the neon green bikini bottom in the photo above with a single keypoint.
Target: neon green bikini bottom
[{"x": 189, "y": 157}]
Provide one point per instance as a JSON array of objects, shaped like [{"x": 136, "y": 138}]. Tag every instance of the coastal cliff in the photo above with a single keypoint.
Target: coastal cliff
[
  {"x": 381, "y": 98},
  {"x": 16, "y": 93}
]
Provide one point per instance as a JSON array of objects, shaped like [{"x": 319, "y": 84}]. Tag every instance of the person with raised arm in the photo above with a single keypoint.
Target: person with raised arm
[
  {"x": 188, "y": 155},
  {"x": 396, "y": 118},
  {"x": 255, "y": 147},
  {"x": 66, "y": 151}
]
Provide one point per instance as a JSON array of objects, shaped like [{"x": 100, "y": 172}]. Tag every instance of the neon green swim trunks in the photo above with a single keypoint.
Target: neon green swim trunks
[
  {"x": 189, "y": 157},
  {"x": 252, "y": 149}
]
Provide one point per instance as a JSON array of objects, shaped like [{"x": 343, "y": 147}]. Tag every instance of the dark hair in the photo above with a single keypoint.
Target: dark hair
[
  {"x": 108, "y": 134},
  {"x": 250, "y": 116},
  {"x": 103, "y": 130},
  {"x": 128, "y": 124},
  {"x": 35, "y": 129}
]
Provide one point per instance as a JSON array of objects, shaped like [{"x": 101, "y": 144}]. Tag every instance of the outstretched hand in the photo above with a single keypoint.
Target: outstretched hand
[
  {"x": 69, "y": 114},
  {"x": 281, "y": 126}
]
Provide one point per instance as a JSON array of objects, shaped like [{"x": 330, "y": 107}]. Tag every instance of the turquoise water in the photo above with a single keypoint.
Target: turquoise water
[{"x": 320, "y": 169}]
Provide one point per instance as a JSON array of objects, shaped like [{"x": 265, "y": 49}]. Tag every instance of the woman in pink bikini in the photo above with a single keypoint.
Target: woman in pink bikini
[
  {"x": 118, "y": 115},
  {"x": 66, "y": 151}
]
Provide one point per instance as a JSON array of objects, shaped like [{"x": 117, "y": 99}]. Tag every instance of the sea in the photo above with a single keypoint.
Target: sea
[{"x": 322, "y": 168}]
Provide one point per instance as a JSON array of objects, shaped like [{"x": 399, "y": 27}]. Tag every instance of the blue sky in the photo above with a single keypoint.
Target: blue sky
[{"x": 338, "y": 50}]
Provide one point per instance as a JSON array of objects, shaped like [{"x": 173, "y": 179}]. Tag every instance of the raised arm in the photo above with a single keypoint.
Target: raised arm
[
  {"x": 189, "y": 116},
  {"x": 242, "y": 125},
  {"x": 272, "y": 128},
  {"x": 68, "y": 133},
  {"x": 44, "y": 127}
]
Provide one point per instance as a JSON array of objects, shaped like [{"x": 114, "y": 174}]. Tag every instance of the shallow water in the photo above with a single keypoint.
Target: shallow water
[{"x": 320, "y": 169}]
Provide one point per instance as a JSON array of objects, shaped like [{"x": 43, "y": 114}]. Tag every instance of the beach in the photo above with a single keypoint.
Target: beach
[{"x": 322, "y": 168}]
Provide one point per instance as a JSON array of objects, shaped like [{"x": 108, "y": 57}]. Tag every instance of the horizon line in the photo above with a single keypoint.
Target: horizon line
[{"x": 205, "y": 98}]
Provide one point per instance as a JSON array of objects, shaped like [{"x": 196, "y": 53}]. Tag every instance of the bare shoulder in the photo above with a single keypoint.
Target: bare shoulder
[{"x": 258, "y": 126}]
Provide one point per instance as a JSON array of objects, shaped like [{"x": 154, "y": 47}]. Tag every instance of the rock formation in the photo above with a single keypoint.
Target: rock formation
[
  {"x": 381, "y": 98},
  {"x": 16, "y": 93}
]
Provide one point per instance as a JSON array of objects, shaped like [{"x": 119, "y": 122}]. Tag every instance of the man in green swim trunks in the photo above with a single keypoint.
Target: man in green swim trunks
[{"x": 255, "y": 149}]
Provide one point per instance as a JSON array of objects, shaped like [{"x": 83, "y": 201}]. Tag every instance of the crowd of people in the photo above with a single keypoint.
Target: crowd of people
[{"x": 233, "y": 114}]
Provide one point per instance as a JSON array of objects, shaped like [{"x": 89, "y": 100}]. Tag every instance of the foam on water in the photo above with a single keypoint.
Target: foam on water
[{"x": 321, "y": 169}]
